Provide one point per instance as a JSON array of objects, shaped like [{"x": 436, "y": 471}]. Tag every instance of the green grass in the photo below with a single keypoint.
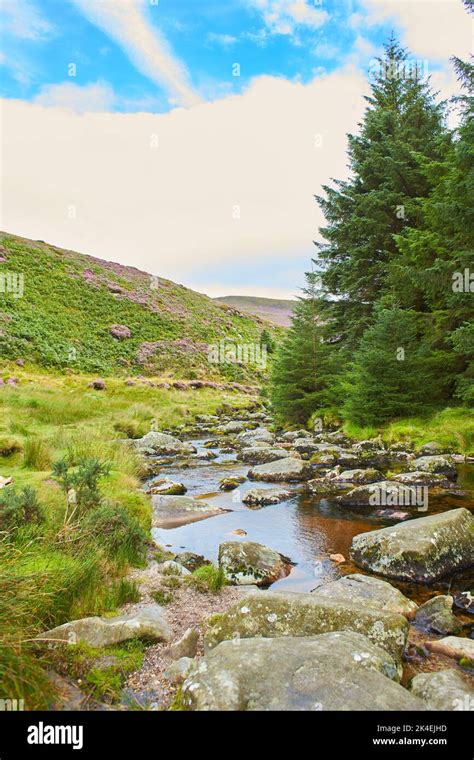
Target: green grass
[
  {"x": 452, "y": 428},
  {"x": 208, "y": 578},
  {"x": 46, "y": 576}
]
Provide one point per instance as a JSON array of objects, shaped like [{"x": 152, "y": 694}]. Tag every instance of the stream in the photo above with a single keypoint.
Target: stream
[{"x": 306, "y": 528}]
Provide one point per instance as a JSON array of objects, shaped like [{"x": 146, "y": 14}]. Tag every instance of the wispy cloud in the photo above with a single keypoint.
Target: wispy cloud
[
  {"x": 225, "y": 40},
  {"x": 22, "y": 19},
  {"x": 283, "y": 16},
  {"x": 125, "y": 21}
]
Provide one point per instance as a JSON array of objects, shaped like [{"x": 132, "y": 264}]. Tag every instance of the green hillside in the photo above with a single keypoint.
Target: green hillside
[
  {"x": 276, "y": 310},
  {"x": 89, "y": 315}
]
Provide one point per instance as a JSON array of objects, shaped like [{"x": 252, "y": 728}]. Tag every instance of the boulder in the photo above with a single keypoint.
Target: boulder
[
  {"x": 384, "y": 493},
  {"x": 186, "y": 646},
  {"x": 444, "y": 690},
  {"x": 289, "y": 469},
  {"x": 154, "y": 443},
  {"x": 435, "y": 464},
  {"x": 166, "y": 487},
  {"x": 235, "y": 426},
  {"x": 436, "y": 615},
  {"x": 146, "y": 622},
  {"x": 230, "y": 484},
  {"x": 97, "y": 385},
  {"x": 453, "y": 646},
  {"x": 261, "y": 454},
  {"x": 261, "y": 497},
  {"x": 192, "y": 561},
  {"x": 420, "y": 478},
  {"x": 275, "y": 614},
  {"x": 369, "y": 592},
  {"x": 308, "y": 446},
  {"x": 249, "y": 437},
  {"x": 431, "y": 448},
  {"x": 179, "y": 670},
  {"x": 420, "y": 550},
  {"x": 293, "y": 435},
  {"x": 333, "y": 671},
  {"x": 171, "y": 511},
  {"x": 370, "y": 445},
  {"x": 171, "y": 567},
  {"x": 246, "y": 562},
  {"x": 369, "y": 475}
]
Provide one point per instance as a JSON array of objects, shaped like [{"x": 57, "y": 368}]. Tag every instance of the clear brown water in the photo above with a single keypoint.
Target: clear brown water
[{"x": 305, "y": 528}]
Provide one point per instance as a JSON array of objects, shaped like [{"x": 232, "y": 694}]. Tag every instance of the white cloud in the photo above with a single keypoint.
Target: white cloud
[
  {"x": 222, "y": 39},
  {"x": 126, "y": 23},
  {"x": 98, "y": 96},
  {"x": 283, "y": 16},
  {"x": 22, "y": 19},
  {"x": 436, "y": 29},
  {"x": 173, "y": 209}
]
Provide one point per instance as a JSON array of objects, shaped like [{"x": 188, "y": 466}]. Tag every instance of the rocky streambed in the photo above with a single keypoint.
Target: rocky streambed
[{"x": 349, "y": 564}]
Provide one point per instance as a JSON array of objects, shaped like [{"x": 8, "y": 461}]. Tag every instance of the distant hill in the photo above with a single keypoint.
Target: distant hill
[
  {"x": 82, "y": 313},
  {"x": 273, "y": 310}
]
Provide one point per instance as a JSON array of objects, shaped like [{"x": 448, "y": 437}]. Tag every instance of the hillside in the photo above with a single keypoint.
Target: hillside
[
  {"x": 65, "y": 309},
  {"x": 275, "y": 310}
]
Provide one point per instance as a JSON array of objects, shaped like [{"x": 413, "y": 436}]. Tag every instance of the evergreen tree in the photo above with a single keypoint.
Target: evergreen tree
[
  {"x": 402, "y": 126},
  {"x": 395, "y": 371},
  {"x": 304, "y": 372},
  {"x": 267, "y": 340}
]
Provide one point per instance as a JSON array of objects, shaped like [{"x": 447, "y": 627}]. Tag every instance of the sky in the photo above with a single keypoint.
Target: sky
[{"x": 189, "y": 137}]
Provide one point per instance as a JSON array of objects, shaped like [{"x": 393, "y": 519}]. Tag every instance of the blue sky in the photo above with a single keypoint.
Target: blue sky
[{"x": 72, "y": 70}]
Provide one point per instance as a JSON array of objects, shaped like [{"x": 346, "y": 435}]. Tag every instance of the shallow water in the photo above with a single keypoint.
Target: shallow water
[{"x": 305, "y": 528}]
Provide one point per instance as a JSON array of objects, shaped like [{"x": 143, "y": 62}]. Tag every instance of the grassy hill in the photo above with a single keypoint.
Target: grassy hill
[
  {"x": 94, "y": 316},
  {"x": 275, "y": 310}
]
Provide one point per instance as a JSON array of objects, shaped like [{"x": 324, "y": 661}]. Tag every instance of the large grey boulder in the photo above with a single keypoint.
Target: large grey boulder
[
  {"x": 444, "y": 690},
  {"x": 274, "y": 614},
  {"x": 171, "y": 511},
  {"x": 333, "y": 671},
  {"x": 248, "y": 563},
  {"x": 261, "y": 497},
  {"x": 146, "y": 622},
  {"x": 368, "y": 592},
  {"x": 439, "y": 465},
  {"x": 420, "y": 478},
  {"x": 165, "y": 487},
  {"x": 420, "y": 550},
  {"x": 154, "y": 443},
  {"x": 283, "y": 470},
  {"x": 249, "y": 437},
  {"x": 384, "y": 493},
  {"x": 262, "y": 454},
  {"x": 308, "y": 446},
  {"x": 436, "y": 615},
  {"x": 359, "y": 476}
]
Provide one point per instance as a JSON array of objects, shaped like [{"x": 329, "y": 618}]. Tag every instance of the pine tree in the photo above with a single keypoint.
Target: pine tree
[
  {"x": 304, "y": 373},
  {"x": 402, "y": 126},
  {"x": 395, "y": 372},
  {"x": 267, "y": 341}
]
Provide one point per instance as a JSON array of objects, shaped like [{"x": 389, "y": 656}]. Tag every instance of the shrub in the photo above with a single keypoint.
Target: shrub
[
  {"x": 84, "y": 481},
  {"x": 162, "y": 597},
  {"x": 19, "y": 507},
  {"x": 208, "y": 578},
  {"x": 117, "y": 532}
]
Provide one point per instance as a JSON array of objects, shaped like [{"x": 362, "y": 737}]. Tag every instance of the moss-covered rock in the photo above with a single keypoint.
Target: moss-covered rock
[
  {"x": 420, "y": 550},
  {"x": 270, "y": 615},
  {"x": 283, "y": 470},
  {"x": 171, "y": 511},
  {"x": 369, "y": 592},
  {"x": 444, "y": 690},
  {"x": 436, "y": 615},
  {"x": 249, "y": 563},
  {"x": 333, "y": 671},
  {"x": 262, "y": 454},
  {"x": 261, "y": 497}
]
